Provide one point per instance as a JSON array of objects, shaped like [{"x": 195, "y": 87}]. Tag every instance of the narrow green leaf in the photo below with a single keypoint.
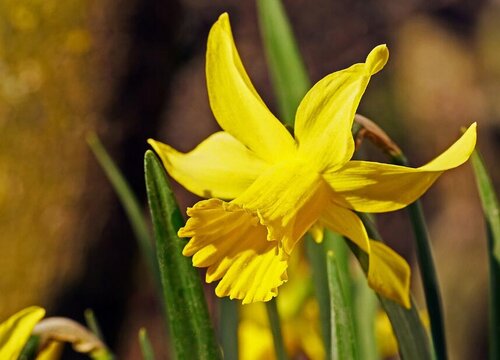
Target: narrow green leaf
[
  {"x": 427, "y": 271},
  {"x": 341, "y": 324},
  {"x": 146, "y": 348},
  {"x": 274, "y": 323},
  {"x": 190, "y": 327},
  {"x": 30, "y": 349},
  {"x": 365, "y": 306},
  {"x": 410, "y": 333},
  {"x": 491, "y": 210},
  {"x": 287, "y": 69},
  {"x": 129, "y": 202},
  {"x": 228, "y": 327},
  {"x": 92, "y": 323}
]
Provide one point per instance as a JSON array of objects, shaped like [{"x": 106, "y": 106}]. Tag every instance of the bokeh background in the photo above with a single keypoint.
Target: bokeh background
[{"x": 134, "y": 69}]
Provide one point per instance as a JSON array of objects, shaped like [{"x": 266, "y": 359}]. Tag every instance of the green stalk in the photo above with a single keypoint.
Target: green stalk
[
  {"x": 228, "y": 330},
  {"x": 146, "y": 348},
  {"x": 491, "y": 210},
  {"x": 274, "y": 323},
  {"x": 427, "y": 271},
  {"x": 191, "y": 330},
  {"x": 342, "y": 328}
]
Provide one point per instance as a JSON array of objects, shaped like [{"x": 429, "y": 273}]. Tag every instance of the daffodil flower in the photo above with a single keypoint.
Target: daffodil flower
[
  {"x": 267, "y": 188},
  {"x": 16, "y": 330}
]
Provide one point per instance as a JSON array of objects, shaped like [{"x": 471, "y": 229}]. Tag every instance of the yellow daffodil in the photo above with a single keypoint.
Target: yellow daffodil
[
  {"x": 16, "y": 330},
  {"x": 267, "y": 188}
]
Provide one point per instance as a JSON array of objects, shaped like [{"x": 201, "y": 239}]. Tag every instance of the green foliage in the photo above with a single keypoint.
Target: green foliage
[{"x": 191, "y": 331}]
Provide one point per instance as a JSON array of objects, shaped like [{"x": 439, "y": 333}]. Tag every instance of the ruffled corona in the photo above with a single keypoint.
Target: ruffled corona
[{"x": 280, "y": 187}]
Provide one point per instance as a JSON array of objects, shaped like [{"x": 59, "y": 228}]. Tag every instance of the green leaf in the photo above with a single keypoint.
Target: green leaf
[
  {"x": 228, "y": 327},
  {"x": 190, "y": 327},
  {"x": 491, "y": 210},
  {"x": 93, "y": 324},
  {"x": 412, "y": 338},
  {"x": 427, "y": 271},
  {"x": 146, "y": 348},
  {"x": 365, "y": 306},
  {"x": 274, "y": 323},
  {"x": 287, "y": 69},
  {"x": 129, "y": 202},
  {"x": 342, "y": 327},
  {"x": 30, "y": 349}
]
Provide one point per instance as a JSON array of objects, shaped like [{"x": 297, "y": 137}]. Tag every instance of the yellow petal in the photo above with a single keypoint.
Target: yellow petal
[
  {"x": 16, "y": 330},
  {"x": 346, "y": 223},
  {"x": 238, "y": 108},
  {"x": 388, "y": 273},
  {"x": 232, "y": 244},
  {"x": 325, "y": 115},
  {"x": 52, "y": 351},
  {"x": 317, "y": 232},
  {"x": 218, "y": 167},
  {"x": 288, "y": 199},
  {"x": 375, "y": 187}
]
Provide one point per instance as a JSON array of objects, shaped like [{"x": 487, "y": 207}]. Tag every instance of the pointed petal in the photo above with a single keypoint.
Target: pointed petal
[
  {"x": 325, "y": 115},
  {"x": 16, "y": 330},
  {"x": 388, "y": 273},
  {"x": 346, "y": 223},
  {"x": 288, "y": 199},
  {"x": 232, "y": 244},
  {"x": 219, "y": 167},
  {"x": 238, "y": 108},
  {"x": 375, "y": 187}
]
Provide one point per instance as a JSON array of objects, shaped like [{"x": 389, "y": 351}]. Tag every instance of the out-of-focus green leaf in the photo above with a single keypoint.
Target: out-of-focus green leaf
[
  {"x": 342, "y": 342},
  {"x": 130, "y": 203},
  {"x": 191, "y": 330},
  {"x": 146, "y": 348},
  {"x": 365, "y": 305},
  {"x": 491, "y": 210},
  {"x": 92, "y": 323},
  {"x": 287, "y": 69},
  {"x": 228, "y": 327},
  {"x": 274, "y": 324}
]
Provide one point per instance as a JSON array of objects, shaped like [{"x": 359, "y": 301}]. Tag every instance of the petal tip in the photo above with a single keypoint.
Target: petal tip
[{"x": 377, "y": 58}]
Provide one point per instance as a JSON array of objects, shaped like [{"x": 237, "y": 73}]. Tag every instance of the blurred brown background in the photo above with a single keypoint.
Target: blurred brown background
[{"x": 130, "y": 70}]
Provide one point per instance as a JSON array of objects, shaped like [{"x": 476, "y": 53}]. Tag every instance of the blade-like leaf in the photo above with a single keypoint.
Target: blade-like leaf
[
  {"x": 228, "y": 327},
  {"x": 342, "y": 342},
  {"x": 412, "y": 338},
  {"x": 190, "y": 327},
  {"x": 274, "y": 323},
  {"x": 146, "y": 348},
  {"x": 287, "y": 69},
  {"x": 129, "y": 202},
  {"x": 491, "y": 210}
]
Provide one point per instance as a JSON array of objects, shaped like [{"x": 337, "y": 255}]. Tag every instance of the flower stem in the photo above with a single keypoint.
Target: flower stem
[
  {"x": 274, "y": 323},
  {"x": 427, "y": 271}
]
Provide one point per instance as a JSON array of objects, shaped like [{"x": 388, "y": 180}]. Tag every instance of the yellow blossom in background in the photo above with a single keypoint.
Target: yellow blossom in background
[
  {"x": 16, "y": 330},
  {"x": 267, "y": 188},
  {"x": 299, "y": 318}
]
